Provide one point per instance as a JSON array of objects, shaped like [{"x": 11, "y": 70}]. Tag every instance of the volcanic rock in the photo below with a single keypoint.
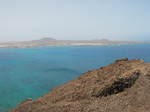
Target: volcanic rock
[{"x": 123, "y": 86}]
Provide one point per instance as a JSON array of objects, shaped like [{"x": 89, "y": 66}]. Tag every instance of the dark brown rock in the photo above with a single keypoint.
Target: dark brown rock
[
  {"x": 123, "y": 59},
  {"x": 123, "y": 86}
]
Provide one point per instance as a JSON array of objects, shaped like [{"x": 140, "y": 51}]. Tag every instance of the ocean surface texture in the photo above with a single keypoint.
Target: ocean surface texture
[{"x": 32, "y": 72}]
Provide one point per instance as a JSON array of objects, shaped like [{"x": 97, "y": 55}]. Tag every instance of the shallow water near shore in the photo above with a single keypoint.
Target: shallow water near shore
[{"x": 32, "y": 72}]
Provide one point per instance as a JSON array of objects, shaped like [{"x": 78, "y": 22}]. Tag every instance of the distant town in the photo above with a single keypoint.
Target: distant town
[{"x": 48, "y": 41}]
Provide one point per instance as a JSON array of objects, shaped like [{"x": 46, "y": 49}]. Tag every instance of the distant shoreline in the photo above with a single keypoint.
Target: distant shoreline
[
  {"x": 53, "y": 42},
  {"x": 32, "y": 46}
]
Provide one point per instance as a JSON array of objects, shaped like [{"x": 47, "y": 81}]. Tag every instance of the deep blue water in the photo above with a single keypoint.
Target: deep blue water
[{"x": 32, "y": 72}]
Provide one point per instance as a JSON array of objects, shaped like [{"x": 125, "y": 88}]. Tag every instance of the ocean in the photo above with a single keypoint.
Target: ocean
[{"x": 32, "y": 72}]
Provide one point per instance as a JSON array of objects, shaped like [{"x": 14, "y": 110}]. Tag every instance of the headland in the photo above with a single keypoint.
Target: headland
[{"x": 123, "y": 86}]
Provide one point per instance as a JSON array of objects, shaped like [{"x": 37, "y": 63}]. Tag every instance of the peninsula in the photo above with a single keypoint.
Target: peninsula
[
  {"x": 48, "y": 41},
  {"x": 123, "y": 86}
]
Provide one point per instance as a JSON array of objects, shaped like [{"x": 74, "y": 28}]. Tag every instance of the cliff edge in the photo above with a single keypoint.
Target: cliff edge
[{"x": 123, "y": 86}]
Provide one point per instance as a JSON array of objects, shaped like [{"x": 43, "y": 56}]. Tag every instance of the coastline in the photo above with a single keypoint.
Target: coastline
[{"x": 58, "y": 43}]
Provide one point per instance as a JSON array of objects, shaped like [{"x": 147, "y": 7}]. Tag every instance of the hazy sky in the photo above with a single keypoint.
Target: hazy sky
[{"x": 74, "y": 19}]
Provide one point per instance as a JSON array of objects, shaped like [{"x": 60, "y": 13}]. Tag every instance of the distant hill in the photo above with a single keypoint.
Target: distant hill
[
  {"x": 104, "y": 40},
  {"x": 123, "y": 86},
  {"x": 45, "y": 39}
]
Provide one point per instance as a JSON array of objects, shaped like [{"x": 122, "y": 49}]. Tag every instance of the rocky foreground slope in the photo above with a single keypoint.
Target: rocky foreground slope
[{"x": 123, "y": 86}]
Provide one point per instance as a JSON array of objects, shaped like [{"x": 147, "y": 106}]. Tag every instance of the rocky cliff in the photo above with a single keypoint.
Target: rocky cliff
[{"x": 123, "y": 86}]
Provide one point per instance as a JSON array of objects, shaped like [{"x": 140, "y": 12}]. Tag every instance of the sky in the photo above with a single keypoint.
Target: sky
[{"x": 22, "y": 20}]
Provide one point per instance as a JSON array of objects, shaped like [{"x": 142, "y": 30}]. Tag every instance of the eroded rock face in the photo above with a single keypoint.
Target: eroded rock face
[
  {"x": 123, "y": 86},
  {"x": 119, "y": 84},
  {"x": 123, "y": 59}
]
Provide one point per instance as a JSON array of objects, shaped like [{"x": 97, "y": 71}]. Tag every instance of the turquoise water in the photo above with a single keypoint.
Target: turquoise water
[{"x": 32, "y": 72}]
